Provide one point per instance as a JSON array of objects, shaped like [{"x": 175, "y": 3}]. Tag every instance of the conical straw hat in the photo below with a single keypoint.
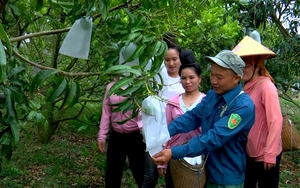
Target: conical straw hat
[{"x": 250, "y": 47}]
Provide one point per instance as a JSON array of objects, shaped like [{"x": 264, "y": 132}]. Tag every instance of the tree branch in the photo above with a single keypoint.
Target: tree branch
[
  {"x": 20, "y": 38},
  {"x": 289, "y": 99},
  {"x": 59, "y": 71},
  {"x": 16, "y": 39},
  {"x": 115, "y": 8},
  {"x": 283, "y": 31}
]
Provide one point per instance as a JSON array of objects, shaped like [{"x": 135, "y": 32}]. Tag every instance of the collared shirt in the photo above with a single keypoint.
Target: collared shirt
[{"x": 225, "y": 143}]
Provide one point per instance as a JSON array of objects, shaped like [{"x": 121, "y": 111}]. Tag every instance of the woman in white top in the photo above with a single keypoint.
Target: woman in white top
[{"x": 172, "y": 87}]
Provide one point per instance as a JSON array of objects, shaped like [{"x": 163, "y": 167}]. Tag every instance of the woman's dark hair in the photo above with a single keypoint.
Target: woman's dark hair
[
  {"x": 171, "y": 41},
  {"x": 188, "y": 60}
]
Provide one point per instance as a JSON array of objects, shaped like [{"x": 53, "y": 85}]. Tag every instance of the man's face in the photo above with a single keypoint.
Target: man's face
[{"x": 222, "y": 80}]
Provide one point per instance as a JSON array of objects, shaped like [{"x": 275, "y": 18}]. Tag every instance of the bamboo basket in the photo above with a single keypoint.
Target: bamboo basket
[
  {"x": 290, "y": 135},
  {"x": 185, "y": 175}
]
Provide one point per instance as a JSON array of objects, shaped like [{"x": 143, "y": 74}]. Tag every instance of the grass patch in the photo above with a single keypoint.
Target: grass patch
[{"x": 69, "y": 160}]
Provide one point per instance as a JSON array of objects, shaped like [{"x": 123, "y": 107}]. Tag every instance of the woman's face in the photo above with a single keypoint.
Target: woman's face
[
  {"x": 190, "y": 80},
  {"x": 172, "y": 62},
  {"x": 249, "y": 69}
]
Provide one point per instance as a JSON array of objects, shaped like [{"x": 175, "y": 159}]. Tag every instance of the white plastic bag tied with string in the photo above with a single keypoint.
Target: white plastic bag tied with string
[
  {"x": 126, "y": 52},
  {"x": 155, "y": 128},
  {"x": 77, "y": 42}
]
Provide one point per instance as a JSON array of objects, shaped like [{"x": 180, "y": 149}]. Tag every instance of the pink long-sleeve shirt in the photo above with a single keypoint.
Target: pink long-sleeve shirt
[
  {"x": 264, "y": 139},
  {"x": 108, "y": 117},
  {"x": 173, "y": 110}
]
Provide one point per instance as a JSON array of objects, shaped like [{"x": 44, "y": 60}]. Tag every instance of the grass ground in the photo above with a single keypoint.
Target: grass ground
[{"x": 72, "y": 159}]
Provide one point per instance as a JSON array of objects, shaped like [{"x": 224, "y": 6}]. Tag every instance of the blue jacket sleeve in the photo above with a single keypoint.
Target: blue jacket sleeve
[
  {"x": 188, "y": 121},
  {"x": 218, "y": 135}
]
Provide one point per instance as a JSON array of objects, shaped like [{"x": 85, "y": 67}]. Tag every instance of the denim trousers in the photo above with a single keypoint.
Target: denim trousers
[{"x": 151, "y": 173}]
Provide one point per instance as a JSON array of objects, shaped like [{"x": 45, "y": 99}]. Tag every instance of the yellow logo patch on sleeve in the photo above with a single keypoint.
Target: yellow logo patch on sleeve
[{"x": 234, "y": 120}]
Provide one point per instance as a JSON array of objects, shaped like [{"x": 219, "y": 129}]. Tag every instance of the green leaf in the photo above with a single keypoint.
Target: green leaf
[
  {"x": 127, "y": 91},
  {"x": 58, "y": 89},
  {"x": 149, "y": 39},
  {"x": 40, "y": 77},
  {"x": 127, "y": 108},
  {"x": 15, "y": 9},
  {"x": 2, "y": 55},
  {"x": 62, "y": 4},
  {"x": 89, "y": 120},
  {"x": 137, "y": 28},
  {"x": 69, "y": 95},
  {"x": 172, "y": 8},
  {"x": 17, "y": 82},
  {"x": 15, "y": 129},
  {"x": 122, "y": 69},
  {"x": 117, "y": 104},
  {"x": 104, "y": 8},
  {"x": 129, "y": 118},
  {"x": 39, "y": 118},
  {"x": 18, "y": 95},
  {"x": 131, "y": 37},
  {"x": 137, "y": 53},
  {"x": 16, "y": 71},
  {"x": 77, "y": 95},
  {"x": 3, "y": 35},
  {"x": 2, "y": 73},
  {"x": 156, "y": 64},
  {"x": 31, "y": 115},
  {"x": 3, "y": 127},
  {"x": 131, "y": 16},
  {"x": 6, "y": 151},
  {"x": 82, "y": 128},
  {"x": 122, "y": 106},
  {"x": 10, "y": 103},
  {"x": 139, "y": 82},
  {"x": 5, "y": 139},
  {"x": 163, "y": 48},
  {"x": 34, "y": 105},
  {"x": 157, "y": 48},
  {"x": 39, "y": 5},
  {"x": 120, "y": 83}
]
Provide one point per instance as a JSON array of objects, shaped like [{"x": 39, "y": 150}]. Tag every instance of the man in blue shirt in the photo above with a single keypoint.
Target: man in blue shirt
[{"x": 225, "y": 115}]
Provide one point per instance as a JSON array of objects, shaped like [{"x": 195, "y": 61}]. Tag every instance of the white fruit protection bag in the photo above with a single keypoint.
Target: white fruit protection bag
[
  {"x": 77, "y": 42},
  {"x": 155, "y": 128}
]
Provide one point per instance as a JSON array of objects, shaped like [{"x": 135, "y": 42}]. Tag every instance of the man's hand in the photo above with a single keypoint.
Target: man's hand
[
  {"x": 163, "y": 157},
  {"x": 268, "y": 166},
  {"x": 101, "y": 146}
]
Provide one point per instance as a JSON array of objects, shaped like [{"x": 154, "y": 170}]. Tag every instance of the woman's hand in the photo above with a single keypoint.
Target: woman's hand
[
  {"x": 101, "y": 146},
  {"x": 268, "y": 166}
]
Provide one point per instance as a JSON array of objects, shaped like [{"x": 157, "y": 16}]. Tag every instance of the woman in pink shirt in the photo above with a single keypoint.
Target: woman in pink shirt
[
  {"x": 190, "y": 76},
  {"x": 125, "y": 140},
  {"x": 264, "y": 140}
]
